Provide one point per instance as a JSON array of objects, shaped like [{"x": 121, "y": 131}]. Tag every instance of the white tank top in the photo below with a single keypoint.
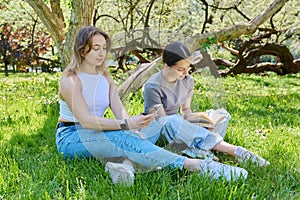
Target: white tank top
[{"x": 95, "y": 90}]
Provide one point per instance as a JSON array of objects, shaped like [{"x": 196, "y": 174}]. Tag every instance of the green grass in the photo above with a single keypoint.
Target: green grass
[{"x": 265, "y": 119}]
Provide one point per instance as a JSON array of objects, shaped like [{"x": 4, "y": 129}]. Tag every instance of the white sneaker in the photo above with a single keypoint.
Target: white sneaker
[
  {"x": 244, "y": 155},
  {"x": 216, "y": 170},
  {"x": 120, "y": 173},
  {"x": 199, "y": 153}
]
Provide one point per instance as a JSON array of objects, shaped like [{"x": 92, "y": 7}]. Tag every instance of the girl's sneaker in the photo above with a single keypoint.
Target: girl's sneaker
[
  {"x": 120, "y": 173},
  {"x": 218, "y": 170},
  {"x": 244, "y": 155}
]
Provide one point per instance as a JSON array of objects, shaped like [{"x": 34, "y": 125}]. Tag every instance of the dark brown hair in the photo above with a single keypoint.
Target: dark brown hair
[{"x": 175, "y": 52}]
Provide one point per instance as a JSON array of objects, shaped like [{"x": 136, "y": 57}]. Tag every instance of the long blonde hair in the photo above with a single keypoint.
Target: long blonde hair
[{"x": 83, "y": 38}]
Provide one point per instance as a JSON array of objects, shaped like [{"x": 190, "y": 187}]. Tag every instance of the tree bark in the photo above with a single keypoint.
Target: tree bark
[
  {"x": 81, "y": 15},
  {"x": 284, "y": 65},
  {"x": 225, "y": 63},
  {"x": 138, "y": 78},
  {"x": 236, "y": 31},
  {"x": 53, "y": 23},
  {"x": 206, "y": 61}
]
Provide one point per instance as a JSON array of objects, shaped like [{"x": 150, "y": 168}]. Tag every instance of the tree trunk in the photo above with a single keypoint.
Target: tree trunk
[
  {"x": 206, "y": 61},
  {"x": 81, "y": 15},
  {"x": 53, "y": 23},
  {"x": 6, "y": 68}
]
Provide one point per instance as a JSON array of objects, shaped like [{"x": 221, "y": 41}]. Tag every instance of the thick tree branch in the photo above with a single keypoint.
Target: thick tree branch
[
  {"x": 262, "y": 67},
  {"x": 268, "y": 12},
  {"x": 138, "y": 78},
  {"x": 231, "y": 50},
  {"x": 284, "y": 63},
  {"x": 56, "y": 9},
  {"x": 54, "y": 24},
  {"x": 223, "y": 62},
  {"x": 238, "y": 30}
]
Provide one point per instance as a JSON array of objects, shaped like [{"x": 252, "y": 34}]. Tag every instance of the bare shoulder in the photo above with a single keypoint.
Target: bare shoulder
[
  {"x": 69, "y": 80},
  {"x": 70, "y": 83}
]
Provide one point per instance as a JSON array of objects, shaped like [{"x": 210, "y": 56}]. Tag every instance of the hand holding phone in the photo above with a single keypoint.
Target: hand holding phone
[{"x": 155, "y": 109}]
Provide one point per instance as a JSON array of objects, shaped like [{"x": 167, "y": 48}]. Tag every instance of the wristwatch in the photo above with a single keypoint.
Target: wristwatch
[{"x": 123, "y": 124}]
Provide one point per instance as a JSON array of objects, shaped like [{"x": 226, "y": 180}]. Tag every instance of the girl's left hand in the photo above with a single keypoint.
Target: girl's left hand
[{"x": 140, "y": 121}]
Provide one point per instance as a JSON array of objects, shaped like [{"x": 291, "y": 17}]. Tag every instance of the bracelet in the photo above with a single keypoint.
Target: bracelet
[
  {"x": 124, "y": 124},
  {"x": 127, "y": 127}
]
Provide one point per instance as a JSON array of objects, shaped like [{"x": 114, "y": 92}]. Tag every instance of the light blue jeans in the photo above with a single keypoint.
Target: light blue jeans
[
  {"x": 178, "y": 130},
  {"x": 76, "y": 141}
]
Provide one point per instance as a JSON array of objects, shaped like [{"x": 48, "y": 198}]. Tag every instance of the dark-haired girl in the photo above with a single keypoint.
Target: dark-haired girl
[{"x": 173, "y": 88}]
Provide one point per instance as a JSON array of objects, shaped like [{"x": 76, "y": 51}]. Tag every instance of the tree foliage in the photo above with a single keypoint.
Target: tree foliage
[
  {"x": 21, "y": 48},
  {"x": 141, "y": 28},
  {"x": 24, "y": 42}
]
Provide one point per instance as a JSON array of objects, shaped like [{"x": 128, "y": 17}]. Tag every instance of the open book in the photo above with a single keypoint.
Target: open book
[{"x": 209, "y": 120}]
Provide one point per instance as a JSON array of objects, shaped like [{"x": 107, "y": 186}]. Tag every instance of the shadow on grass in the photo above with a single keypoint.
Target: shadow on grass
[{"x": 39, "y": 166}]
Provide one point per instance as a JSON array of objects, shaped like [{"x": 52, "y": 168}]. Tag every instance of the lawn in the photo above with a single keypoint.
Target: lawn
[{"x": 265, "y": 118}]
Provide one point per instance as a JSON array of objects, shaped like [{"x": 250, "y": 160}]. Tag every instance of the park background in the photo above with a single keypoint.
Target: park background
[{"x": 252, "y": 52}]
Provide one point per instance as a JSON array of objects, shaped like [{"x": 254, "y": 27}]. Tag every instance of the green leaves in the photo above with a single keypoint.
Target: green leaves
[{"x": 207, "y": 45}]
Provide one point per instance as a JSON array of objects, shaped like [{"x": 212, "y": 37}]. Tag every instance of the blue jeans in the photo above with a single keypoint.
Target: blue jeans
[
  {"x": 74, "y": 141},
  {"x": 178, "y": 130}
]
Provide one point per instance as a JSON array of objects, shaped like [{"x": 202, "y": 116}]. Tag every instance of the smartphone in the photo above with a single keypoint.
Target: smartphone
[{"x": 156, "y": 108}]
